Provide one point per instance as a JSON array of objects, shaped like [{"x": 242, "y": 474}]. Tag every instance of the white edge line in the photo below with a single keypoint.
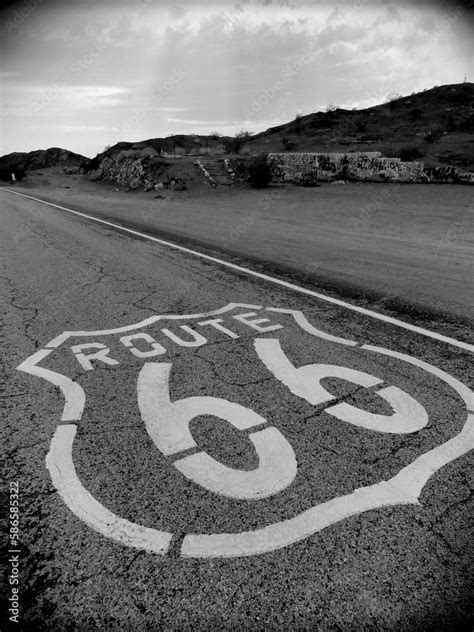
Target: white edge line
[{"x": 265, "y": 277}]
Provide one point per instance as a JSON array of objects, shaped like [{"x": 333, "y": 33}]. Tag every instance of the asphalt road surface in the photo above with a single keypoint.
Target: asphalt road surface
[{"x": 203, "y": 449}]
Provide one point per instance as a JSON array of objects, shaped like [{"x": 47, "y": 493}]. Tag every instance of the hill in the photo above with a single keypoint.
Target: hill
[
  {"x": 22, "y": 162},
  {"x": 435, "y": 126},
  {"x": 175, "y": 145}
]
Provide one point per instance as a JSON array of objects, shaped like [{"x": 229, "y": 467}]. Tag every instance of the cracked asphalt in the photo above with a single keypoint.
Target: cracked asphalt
[{"x": 402, "y": 567}]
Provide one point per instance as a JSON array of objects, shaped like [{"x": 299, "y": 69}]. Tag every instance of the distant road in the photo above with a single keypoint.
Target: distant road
[{"x": 223, "y": 466}]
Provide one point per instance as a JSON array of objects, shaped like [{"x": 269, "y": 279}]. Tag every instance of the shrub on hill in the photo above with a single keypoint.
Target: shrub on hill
[
  {"x": 434, "y": 134},
  {"x": 90, "y": 165},
  {"x": 257, "y": 171},
  {"x": 234, "y": 145},
  {"x": 361, "y": 126},
  {"x": 288, "y": 145},
  {"x": 467, "y": 124},
  {"x": 416, "y": 114},
  {"x": 408, "y": 154}
]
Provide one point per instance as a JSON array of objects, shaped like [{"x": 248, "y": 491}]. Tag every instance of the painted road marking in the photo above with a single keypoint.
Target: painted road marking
[
  {"x": 265, "y": 277},
  {"x": 305, "y": 382},
  {"x": 64, "y": 477},
  {"x": 168, "y": 425}
]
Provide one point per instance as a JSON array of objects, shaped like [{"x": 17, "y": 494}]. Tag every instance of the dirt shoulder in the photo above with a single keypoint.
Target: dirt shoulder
[{"x": 406, "y": 250}]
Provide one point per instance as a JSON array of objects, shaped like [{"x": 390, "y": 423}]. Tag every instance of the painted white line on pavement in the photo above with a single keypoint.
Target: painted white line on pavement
[
  {"x": 73, "y": 393},
  {"x": 291, "y": 286},
  {"x": 305, "y": 382},
  {"x": 56, "y": 342},
  {"x": 85, "y": 506},
  {"x": 458, "y": 386},
  {"x": 168, "y": 425},
  {"x": 302, "y": 321}
]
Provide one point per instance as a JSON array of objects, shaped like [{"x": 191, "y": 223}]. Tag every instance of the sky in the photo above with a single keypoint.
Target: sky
[{"x": 84, "y": 74}]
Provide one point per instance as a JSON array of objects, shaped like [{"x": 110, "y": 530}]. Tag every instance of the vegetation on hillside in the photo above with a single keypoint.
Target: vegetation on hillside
[{"x": 256, "y": 171}]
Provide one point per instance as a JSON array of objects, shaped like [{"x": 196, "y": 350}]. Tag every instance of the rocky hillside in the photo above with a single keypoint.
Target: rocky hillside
[
  {"x": 435, "y": 126},
  {"x": 171, "y": 146},
  {"x": 22, "y": 162}
]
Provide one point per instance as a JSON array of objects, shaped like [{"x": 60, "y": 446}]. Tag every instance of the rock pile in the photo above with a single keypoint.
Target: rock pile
[{"x": 133, "y": 173}]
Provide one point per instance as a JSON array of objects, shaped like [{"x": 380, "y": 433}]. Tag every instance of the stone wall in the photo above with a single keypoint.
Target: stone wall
[
  {"x": 447, "y": 174},
  {"x": 303, "y": 168},
  {"x": 129, "y": 172},
  {"x": 147, "y": 174},
  {"x": 308, "y": 168}
]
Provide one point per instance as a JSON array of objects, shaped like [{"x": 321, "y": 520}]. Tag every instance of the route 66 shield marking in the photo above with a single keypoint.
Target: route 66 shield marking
[{"x": 264, "y": 339}]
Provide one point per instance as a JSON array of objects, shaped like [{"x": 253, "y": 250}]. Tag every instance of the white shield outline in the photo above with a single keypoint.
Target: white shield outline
[{"x": 403, "y": 488}]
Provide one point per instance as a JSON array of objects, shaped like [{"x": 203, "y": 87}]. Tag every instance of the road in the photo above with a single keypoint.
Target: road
[{"x": 254, "y": 458}]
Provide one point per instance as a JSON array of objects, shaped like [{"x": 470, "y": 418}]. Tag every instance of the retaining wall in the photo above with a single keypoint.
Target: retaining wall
[
  {"x": 308, "y": 168},
  {"x": 129, "y": 172}
]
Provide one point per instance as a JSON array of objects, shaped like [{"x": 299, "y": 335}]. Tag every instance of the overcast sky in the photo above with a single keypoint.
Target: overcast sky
[{"x": 84, "y": 74}]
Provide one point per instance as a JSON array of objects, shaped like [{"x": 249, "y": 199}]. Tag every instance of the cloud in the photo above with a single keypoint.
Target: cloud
[
  {"x": 73, "y": 128},
  {"x": 25, "y": 101},
  {"x": 78, "y": 97},
  {"x": 171, "y": 110},
  {"x": 206, "y": 123},
  {"x": 250, "y": 64}
]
